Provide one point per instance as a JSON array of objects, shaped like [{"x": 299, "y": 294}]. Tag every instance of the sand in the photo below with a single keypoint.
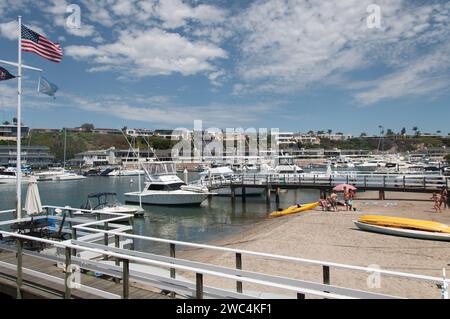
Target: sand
[{"x": 332, "y": 237}]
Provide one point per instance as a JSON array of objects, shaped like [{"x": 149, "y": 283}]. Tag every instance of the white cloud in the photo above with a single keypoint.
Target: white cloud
[
  {"x": 10, "y": 30},
  {"x": 174, "y": 13},
  {"x": 293, "y": 45},
  {"x": 424, "y": 76},
  {"x": 57, "y": 10},
  {"x": 151, "y": 52},
  {"x": 143, "y": 109}
]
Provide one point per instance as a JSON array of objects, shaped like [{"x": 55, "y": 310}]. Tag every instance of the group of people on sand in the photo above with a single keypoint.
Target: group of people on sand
[
  {"x": 440, "y": 199},
  {"x": 332, "y": 201}
]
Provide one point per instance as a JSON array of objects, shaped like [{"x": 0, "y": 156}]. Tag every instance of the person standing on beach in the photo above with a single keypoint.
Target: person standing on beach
[
  {"x": 444, "y": 197},
  {"x": 347, "y": 198},
  {"x": 436, "y": 198}
]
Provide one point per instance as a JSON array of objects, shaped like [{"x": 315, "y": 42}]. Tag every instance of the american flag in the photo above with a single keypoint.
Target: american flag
[{"x": 34, "y": 42}]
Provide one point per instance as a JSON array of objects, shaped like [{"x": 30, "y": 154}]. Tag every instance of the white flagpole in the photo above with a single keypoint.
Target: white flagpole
[{"x": 19, "y": 129}]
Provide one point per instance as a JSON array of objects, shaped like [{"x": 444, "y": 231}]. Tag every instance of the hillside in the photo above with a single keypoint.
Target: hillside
[{"x": 85, "y": 141}]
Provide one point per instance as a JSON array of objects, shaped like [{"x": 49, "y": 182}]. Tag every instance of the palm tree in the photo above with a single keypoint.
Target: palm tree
[{"x": 329, "y": 131}]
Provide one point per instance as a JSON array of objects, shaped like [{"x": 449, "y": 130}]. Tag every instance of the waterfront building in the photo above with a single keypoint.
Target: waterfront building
[
  {"x": 9, "y": 131},
  {"x": 336, "y": 136},
  {"x": 33, "y": 156}
]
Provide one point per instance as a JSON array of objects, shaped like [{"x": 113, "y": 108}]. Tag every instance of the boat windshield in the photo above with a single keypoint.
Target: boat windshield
[
  {"x": 161, "y": 168},
  {"x": 164, "y": 187}
]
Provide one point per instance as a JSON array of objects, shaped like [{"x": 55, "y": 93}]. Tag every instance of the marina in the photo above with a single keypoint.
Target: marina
[{"x": 197, "y": 150}]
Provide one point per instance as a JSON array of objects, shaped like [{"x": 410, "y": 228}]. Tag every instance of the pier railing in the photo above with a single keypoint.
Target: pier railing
[
  {"x": 400, "y": 182},
  {"x": 71, "y": 250}
]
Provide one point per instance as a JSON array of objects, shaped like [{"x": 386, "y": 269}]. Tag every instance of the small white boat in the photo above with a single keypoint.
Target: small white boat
[
  {"x": 217, "y": 174},
  {"x": 164, "y": 187},
  {"x": 66, "y": 176},
  {"x": 126, "y": 172},
  {"x": 410, "y": 233},
  {"x": 9, "y": 176},
  {"x": 106, "y": 202}
]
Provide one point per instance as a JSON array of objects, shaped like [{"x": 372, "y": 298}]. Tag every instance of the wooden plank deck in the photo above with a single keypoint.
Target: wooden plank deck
[{"x": 34, "y": 287}]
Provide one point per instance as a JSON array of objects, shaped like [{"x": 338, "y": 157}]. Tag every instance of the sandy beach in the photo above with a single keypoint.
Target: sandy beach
[{"x": 332, "y": 236}]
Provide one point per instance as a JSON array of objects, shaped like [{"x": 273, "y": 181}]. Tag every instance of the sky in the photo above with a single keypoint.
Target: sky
[{"x": 295, "y": 65}]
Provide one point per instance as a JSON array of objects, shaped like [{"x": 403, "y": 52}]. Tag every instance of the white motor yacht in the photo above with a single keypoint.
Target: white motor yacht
[{"x": 164, "y": 187}]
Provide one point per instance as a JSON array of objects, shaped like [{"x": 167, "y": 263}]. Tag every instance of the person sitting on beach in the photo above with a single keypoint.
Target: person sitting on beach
[
  {"x": 333, "y": 201},
  {"x": 443, "y": 197},
  {"x": 436, "y": 198}
]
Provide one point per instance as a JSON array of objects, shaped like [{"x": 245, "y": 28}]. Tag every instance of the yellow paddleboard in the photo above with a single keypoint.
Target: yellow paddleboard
[
  {"x": 398, "y": 222},
  {"x": 294, "y": 209}
]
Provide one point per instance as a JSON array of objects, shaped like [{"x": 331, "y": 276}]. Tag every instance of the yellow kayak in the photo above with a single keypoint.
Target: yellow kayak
[
  {"x": 294, "y": 209},
  {"x": 408, "y": 223}
]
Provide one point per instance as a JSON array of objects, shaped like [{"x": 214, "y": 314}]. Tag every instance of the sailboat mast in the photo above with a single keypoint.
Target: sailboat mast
[{"x": 65, "y": 140}]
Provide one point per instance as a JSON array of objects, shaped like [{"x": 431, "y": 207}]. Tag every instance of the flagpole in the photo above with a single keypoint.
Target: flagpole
[{"x": 19, "y": 129}]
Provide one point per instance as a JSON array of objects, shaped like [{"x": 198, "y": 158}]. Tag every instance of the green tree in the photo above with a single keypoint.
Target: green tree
[
  {"x": 14, "y": 120},
  {"x": 329, "y": 131},
  {"x": 88, "y": 127},
  {"x": 363, "y": 134},
  {"x": 390, "y": 132},
  {"x": 403, "y": 131},
  {"x": 6, "y": 123}
]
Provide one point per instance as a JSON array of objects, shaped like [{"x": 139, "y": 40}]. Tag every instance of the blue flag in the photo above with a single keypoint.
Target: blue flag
[{"x": 46, "y": 87}]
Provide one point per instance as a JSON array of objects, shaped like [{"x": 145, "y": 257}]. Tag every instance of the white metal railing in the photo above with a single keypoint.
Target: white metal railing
[
  {"x": 381, "y": 181},
  {"x": 125, "y": 256}
]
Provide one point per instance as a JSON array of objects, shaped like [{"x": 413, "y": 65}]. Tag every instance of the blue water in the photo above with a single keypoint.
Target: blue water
[{"x": 213, "y": 220}]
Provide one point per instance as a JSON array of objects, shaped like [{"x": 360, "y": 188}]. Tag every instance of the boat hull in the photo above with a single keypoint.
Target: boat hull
[
  {"x": 180, "y": 198},
  {"x": 401, "y": 232}
]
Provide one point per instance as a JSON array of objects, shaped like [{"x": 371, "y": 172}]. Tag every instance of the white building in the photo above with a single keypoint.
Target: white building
[
  {"x": 336, "y": 136},
  {"x": 307, "y": 139},
  {"x": 283, "y": 138}
]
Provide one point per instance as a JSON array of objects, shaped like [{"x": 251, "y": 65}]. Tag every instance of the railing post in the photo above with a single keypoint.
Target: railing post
[
  {"x": 131, "y": 221},
  {"x": 404, "y": 182},
  {"x": 68, "y": 262},
  {"x": 199, "y": 286},
  {"x": 19, "y": 243},
  {"x": 125, "y": 279},
  {"x": 172, "y": 270},
  {"x": 384, "y": 181},
  {"x": 347, "y": 179},
  {"x": 326, "y": 275},
  {"x": 74, "y": 237},
  {"x": 117, "y": 245},
  {"x": 239, "y": 266},
  {"x": 424, "y": 183},
  {"x": 365, "y": 181},
  {"x": 105, "y": 239}
]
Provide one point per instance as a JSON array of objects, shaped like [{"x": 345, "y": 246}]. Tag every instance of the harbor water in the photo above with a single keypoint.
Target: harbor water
[{"x": 213, "y": 220}]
